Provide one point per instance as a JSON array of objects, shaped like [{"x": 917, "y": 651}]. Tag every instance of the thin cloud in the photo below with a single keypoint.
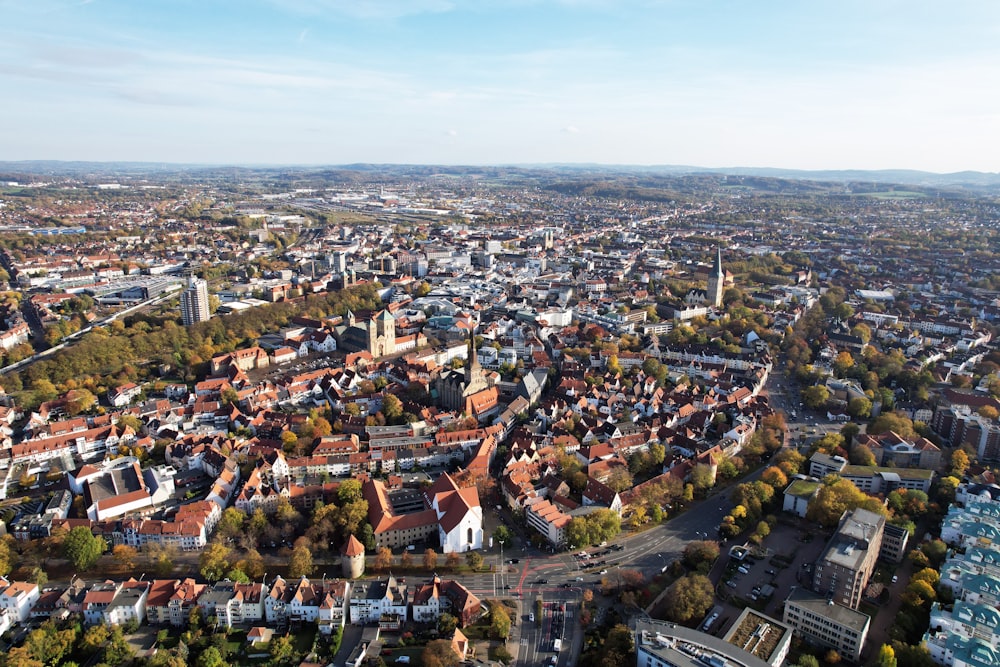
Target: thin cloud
[{"x": 571, "y": 129}]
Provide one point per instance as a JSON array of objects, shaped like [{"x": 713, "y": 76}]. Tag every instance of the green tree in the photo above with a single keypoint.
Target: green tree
[
  {"x": 474, "y": 559},
  {"x": 499, "y": 621},
  {"x": 701, "y": 554},
  {"x": 815, "y": 397},
  {"x": 859, "y": 408},
  {"x": 82, "y": 548},
  {"x": 211, "y": 657},
  {"x": 282, "y": 650}
]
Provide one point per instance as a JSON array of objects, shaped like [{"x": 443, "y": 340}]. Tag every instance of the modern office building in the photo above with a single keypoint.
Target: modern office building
[
  {"x": 194, "y": 302},
  {"x": 821, "y": 621},
  {"x": 847, "y": 563},
  {"x": 658, "y": 644}
]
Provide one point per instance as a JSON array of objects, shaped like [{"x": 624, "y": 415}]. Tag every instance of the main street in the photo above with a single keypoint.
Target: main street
[{"x": 560, "y": 579}]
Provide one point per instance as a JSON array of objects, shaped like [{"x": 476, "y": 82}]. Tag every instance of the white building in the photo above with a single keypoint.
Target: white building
[
  {"x": 194, "y": 302},
  {"x": 18, "y": 597}
]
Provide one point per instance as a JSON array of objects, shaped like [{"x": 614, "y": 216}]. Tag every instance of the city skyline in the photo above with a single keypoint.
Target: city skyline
[{"x": 876, "y": 85}]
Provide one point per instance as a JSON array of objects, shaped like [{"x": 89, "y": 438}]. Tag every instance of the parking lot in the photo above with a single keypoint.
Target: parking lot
[{"x": 785, "y": 560}]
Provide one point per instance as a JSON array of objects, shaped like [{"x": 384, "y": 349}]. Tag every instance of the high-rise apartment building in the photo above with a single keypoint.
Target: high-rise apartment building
[
  {"x": 194, "y": 302},
  {"x": 847, "y": 563}
]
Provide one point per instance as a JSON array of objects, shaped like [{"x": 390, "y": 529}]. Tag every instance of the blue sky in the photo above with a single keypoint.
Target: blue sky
[{"x": 811, "y": 84}]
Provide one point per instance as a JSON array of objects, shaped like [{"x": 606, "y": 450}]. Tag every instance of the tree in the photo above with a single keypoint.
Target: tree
[
  {"x": 349, "y": 491},
  {"x": 7, "y": 555},
  {"x": 439, "y": 653},
  {"x": 808, "y": 661},
  {"x": 886, "y": 657},
  {"x": 383, "y": 560},
  {"x": 474, "y": 559},
  {"x": 452, "y": 561},
  {"x": 447, "y": 624},
  {"x": 834, "y": 497},
  {"x": 125, "y": 556},
  {"x": 406, "y": 560},
  {"x": 702, "y": 477},
  {"x": 774, "y": 476},
  {"x": 691, "y": 597},
  {"x": 392, "y": 408},
  {"x": 282, "y": 649},
  {"x": 619, "y": 479},
  {"x": 289, "y": 441},
  {"x": 816, "y": 396},
  {"x": 83, "y": 548},
  {"x": 862, "y": 456},
  {"x": 499, "y": 621},
  {"x": 211, "y": 657},
  {"x": 959, "y": 463},
  {"x": 700, "y": 554},
  {"x": 301, "y": 562},
  {"x": 231, "y": 523},
  {"x": 503, "y": 534},
  {"x": 859, "y": 408},
  {"x": 215, "y": 559},
  {"x": 430, "y": 560}
]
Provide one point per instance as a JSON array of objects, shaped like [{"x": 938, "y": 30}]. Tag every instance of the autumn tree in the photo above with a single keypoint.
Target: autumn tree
[
  {"x": 406, "y": 560},
  {"x": 125, "y": 556},
  {"x": 439, "y": 653},
  {"x": 701, "y": 554},
  {"x": 430, "y": 560},
  {"x": 834, "y": 497},
  {"x": 959, "y": 463},
  {"x": 691, "y": 596},
  {"x": 301, "y": 562},
  {"x": 383, "y": 560},
  {"x": 215, "y": 559},
  {"x": 499, "y": 621},
  {"x": 886, "y": 657}
]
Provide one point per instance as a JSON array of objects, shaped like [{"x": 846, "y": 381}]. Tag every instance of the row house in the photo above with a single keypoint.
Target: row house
[
  {"x": 233, "y": 603},
  {"x": 437, "y": 597},
  {"x": 170, "y": 601},
  {"x": 307, "y": 602},
  {"x": 385, "y": 602}
]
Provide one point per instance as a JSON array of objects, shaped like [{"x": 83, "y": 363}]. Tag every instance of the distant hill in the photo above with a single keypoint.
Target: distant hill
[{"x": 970, "y": 181}]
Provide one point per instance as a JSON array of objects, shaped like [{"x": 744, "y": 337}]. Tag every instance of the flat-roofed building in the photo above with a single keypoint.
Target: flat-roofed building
[
  {"x": 767, "y": 638},
  {"x": 823, "y": 622},
  {"x": 658, "y": 644},
  {"x": 845, "y": 566}
]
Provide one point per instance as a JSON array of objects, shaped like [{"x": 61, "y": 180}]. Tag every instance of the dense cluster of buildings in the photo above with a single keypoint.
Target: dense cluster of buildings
[{"x": 274, "y": 604}]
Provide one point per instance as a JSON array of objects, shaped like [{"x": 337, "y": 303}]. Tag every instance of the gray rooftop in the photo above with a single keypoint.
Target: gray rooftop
[
  {"x": 818, "y": 604},
  {"x": 684, "y": 647}
]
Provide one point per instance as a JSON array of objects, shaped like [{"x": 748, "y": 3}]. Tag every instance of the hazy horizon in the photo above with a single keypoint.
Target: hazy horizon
[{"x": 846, "y": 85}]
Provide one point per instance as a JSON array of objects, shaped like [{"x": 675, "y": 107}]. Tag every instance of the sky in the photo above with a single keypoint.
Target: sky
[{"x": 799, "y": 84}]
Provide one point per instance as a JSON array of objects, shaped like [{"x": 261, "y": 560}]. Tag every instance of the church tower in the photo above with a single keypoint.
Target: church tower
[
  {"x": 472, "y": 368},
  {"x": 716, "y": 281}
]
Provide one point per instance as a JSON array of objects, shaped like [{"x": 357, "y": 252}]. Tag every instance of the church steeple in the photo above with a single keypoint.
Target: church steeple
[
  {"x": 716, "y": 281},
  {"x": 472, "y": 368}
]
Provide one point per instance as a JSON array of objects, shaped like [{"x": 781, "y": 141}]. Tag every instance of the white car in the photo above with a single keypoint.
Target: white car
[{"x": 531, "y": 616}]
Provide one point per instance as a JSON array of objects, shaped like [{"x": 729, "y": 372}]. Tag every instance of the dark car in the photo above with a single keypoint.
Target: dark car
[{"x": 514, "y": 561}]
